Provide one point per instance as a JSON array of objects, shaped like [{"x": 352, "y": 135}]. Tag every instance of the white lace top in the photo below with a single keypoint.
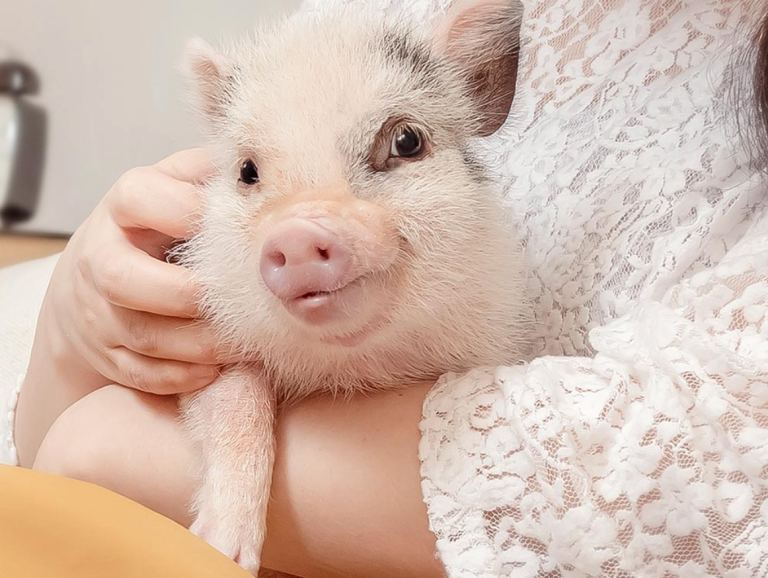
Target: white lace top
[{"x": 636, "y": 444}]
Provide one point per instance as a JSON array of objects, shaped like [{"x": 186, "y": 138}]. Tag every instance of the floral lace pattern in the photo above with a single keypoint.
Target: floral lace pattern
[
  {"x": 636, "y": 444},
  {"x": 648, "y": 459},
  {"x": 8, "y": 454}
]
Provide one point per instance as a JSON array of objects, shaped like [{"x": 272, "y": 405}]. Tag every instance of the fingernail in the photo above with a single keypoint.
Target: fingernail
[{"x": 204, "y": 371}]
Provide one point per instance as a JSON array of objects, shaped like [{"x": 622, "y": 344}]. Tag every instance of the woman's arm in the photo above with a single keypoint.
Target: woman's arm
[{"x": 346, "y": 498}]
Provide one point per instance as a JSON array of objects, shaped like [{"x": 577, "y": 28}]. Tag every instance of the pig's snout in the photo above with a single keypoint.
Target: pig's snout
[{"x": 302, "y": 259}]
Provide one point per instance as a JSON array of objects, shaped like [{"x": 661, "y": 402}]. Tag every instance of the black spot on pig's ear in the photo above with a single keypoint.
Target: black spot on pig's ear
[
  {"x": 213, "y": 77},
  {"x": 482, "y": 38}
]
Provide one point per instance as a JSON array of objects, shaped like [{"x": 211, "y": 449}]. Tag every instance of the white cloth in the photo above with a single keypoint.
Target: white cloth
[
  {"x": 637, "y": 444},
  {"x": 22, "y": 288}
]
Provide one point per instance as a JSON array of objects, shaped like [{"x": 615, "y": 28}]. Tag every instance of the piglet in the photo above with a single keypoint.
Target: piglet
[{"x": 350, "y": 241}]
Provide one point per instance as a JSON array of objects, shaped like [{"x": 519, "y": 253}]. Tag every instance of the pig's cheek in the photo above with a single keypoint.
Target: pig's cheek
[
  {"x": 386, "y": 291},
  {"x": 374, "y": 256},
  {"x": 422, "y": 233},
  {"x": 375, "y": 237},
  {"x": 259, "y": 221}
]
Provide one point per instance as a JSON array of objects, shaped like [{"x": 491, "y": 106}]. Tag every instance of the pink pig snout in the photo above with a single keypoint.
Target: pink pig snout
[{"x": 301, "y": 258}]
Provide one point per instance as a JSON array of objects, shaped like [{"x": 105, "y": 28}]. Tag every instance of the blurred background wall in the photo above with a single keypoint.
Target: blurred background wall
[{"x": 110, "y": 84}]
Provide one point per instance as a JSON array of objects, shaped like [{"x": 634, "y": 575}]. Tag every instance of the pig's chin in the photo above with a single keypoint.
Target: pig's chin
[{"x": 358, "y": 336}]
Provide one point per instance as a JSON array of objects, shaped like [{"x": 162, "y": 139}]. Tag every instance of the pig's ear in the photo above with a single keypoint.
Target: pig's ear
[
  {"x": 482, "y": 38},
  {"x": 212, "y": 75}
]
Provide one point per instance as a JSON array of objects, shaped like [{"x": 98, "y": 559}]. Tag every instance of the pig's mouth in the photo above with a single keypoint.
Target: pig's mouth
[
  {"x": 313, "y": 294},
  {"x": 321, "y": 294},
  {"x": 321, "y": 307}
]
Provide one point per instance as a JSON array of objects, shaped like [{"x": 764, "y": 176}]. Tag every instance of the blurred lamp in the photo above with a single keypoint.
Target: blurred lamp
[{"x": 22, "y": 143}]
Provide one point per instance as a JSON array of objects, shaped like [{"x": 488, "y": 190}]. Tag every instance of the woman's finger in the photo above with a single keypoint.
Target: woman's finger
[
  {"x": 147, "y": 198},
  {"x": 193, "y": 166},
  {"x": 168, "y": 338},
  {"x": 133, "y": 280},
  {"x": 158, "y": 376}
]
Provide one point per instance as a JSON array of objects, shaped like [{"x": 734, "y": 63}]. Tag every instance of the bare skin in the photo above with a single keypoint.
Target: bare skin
[{"x": 346, "y": 498}]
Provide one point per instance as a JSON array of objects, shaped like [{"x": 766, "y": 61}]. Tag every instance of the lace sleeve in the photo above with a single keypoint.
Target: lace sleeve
[{"x": 647, "y": 460}]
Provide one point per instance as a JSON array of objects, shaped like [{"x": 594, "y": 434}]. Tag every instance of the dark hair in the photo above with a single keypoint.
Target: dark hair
[
  {"x": 749, "y": 86},
  {"x": 760, "y": 80}
]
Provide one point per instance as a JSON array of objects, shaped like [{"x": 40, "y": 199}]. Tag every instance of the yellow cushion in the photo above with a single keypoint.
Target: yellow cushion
[{"x": 58, "y": 528}]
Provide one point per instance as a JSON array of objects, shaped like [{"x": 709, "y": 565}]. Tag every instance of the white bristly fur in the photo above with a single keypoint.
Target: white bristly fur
[{"x": 305, "y": 98}]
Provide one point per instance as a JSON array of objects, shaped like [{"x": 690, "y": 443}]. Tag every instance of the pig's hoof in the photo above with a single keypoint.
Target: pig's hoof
[
  {"x": 237, "y": 542},
  {"x": 249, "y": 558}
]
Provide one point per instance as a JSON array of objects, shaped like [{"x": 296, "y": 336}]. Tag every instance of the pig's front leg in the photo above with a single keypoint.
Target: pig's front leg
[{"x": 233, "y": 420}]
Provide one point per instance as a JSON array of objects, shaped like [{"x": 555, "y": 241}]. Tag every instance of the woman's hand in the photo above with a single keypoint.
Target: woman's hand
[
  {"x": 116, "y": 304},
  {"x": 115, "y": 310}
]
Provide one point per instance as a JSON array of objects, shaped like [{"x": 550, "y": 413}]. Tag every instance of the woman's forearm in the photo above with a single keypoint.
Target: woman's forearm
[{"x": 346, "y": 498}]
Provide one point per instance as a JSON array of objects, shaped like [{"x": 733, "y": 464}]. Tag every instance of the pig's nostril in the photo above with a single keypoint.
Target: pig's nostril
[
  {"x": 324, "y": 254},
  {"x": 278, "y": 259}
]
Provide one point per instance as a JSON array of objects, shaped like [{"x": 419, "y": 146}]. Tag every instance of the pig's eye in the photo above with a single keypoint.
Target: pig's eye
[
  {"x": 249, "y": 174},
  {"x": 399, "y": 141},
  {"x": 407, "y": 142}
]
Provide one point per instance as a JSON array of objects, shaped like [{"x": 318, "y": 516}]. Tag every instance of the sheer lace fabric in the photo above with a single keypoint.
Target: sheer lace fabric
[{"x": 636, "y": 443}]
